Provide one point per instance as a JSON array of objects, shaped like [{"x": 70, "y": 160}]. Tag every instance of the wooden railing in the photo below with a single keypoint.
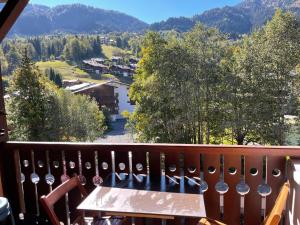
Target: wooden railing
[{"x": 240, "y": 184}]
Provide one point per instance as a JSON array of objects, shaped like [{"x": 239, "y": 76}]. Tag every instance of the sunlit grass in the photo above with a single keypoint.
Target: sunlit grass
[
  {"x": 68, "y": 71},
  {"x": 110, "y": 51}
]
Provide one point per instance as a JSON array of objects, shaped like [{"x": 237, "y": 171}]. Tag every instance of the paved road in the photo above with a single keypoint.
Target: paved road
[{"x": 118, "y": 134}]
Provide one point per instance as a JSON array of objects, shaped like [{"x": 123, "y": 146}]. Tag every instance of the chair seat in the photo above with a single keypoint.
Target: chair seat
[
  {"x": 99, "y": 221},
  {"x": 108, "y": 221}
]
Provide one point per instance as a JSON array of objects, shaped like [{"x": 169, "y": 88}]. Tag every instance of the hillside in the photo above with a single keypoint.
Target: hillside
[
  {"x": 78, "y": 18},
  {"x": 239, "y": 19},
  {"x": 75, "y": 18}
]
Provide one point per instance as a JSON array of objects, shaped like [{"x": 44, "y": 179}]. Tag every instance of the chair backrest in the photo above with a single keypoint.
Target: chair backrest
[
  {"x": 275, "y": 216},
  {"x": 59, "y": 192}
]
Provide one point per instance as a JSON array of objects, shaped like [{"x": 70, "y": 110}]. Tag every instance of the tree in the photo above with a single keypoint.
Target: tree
[
  {"x": 78, "y": 124},
  {"x": 13, "y": 59},
  {"x": 54, "y": 76},
  {"x": 177, "y": 87},
  {"x": 39, "y": 111},
  {"x": 203, "y": 88},
  {"x": 279, "y": 44},
  {"x": 264, "y": 65},
  {"x": 4, "y": 63},
  {"x": 29, "y": 102}
]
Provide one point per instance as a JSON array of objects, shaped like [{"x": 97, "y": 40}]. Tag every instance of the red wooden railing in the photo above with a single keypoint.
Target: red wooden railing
[{"x": 240, "y": 184}]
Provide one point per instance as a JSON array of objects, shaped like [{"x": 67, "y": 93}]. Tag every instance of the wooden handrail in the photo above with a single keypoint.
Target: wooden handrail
[{"x": 292, "y": 151}]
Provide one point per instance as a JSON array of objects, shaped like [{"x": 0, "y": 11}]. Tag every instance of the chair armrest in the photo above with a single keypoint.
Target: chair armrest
[{"x": 207, "y": 221}]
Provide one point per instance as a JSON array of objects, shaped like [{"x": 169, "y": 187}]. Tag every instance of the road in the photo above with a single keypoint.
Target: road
[{"x": 118, "y": 134}]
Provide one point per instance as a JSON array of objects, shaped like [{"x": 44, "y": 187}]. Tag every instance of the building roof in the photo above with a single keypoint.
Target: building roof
[
  {"x": 94, "y": 63},
  {"x": 72, "y": 81},
  {"x": 78, "y": 87},
  {"x": 98, "y": 59},
  {"x": 123, "y": 67},
  {"x": 86, "y": 86}
]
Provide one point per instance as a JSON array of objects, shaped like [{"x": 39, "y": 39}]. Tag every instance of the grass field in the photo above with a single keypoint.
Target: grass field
[
  {"x": 68, "y": 72},
  {"x": 110, "y": 51}
]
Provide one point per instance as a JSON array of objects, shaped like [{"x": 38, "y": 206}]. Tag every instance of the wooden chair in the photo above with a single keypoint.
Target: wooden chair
[
  {"x": 49, "y": 201},
  {"x": 272, "y": 219}
]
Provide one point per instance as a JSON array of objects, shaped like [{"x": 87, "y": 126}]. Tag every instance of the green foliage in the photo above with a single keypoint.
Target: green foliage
[
  {"x": 38, "y": 111},
  {"x": 4, "y": 63},
  {"x": 203, "y": 89},
  {"x": 265, "y": 62},
  {"x": 77, "y": 49},
  {"x": 29, "y": 102},
  {"x": 13, "y": 59},
  {"x": 80, "y": 117},
  {"x": 54, "y": 76},
  {"x": 43, "y": 48}
]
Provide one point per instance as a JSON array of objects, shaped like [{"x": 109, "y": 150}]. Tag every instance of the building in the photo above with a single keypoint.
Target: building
[
  {"x": 116, "y": 60},
  {"x": 134, "y": 60},
  {"x": 121, "y": 91},
  {"x": 111, "y": 94},
  {"x": 94, "y": 66},
  {"x": 125, "y": 71}
]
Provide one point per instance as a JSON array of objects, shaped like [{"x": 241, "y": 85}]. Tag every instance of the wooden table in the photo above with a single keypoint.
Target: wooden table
[{"x": 145, "y": 204}]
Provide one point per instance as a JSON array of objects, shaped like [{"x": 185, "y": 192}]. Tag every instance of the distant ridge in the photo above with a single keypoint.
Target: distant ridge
[
  {"x": 75, "y": 18},
  {"x": 239, "y": 19}
]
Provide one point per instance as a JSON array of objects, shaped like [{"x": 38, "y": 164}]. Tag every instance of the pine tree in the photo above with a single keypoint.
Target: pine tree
[{"x": 29, "y": 99}]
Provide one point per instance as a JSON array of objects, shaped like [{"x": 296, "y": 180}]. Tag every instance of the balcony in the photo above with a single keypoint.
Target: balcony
[{"x": 34, "y": 169}]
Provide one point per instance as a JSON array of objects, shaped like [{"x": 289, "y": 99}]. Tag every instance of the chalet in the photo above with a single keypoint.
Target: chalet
[
  {"x": 93, "y": 66},
  {"x": 133, "y": 60},
  {"x": 116, "y": 60},
  {"x": 112, "y": 42},
  {"x": 111, "y": 94},
  {"x": 104, "y": 40},
  {"x": 125, "y": 71}
]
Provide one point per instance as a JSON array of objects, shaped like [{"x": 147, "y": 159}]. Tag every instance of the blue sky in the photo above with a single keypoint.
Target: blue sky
[{"x": 149, "y": 10}]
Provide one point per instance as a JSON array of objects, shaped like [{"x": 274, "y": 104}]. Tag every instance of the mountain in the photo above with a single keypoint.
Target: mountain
[
  {"x": 240, "y": 19},
  {"x": 75, "y": 18}
]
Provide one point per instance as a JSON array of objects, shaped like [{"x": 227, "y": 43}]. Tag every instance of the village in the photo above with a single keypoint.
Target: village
[
  {"x": 111, "y": 93},
  {"x": 118, "y": 66}
]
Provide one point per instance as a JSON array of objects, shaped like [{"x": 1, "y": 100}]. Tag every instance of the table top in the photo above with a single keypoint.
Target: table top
[{"x": 142, "y": 202}]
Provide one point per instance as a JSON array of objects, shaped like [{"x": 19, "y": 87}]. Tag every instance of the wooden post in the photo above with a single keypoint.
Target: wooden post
[
  {"x": 3, "y": 124},
  {"x": 3, "y": 132},
  {"x": 9, "y": 14}
]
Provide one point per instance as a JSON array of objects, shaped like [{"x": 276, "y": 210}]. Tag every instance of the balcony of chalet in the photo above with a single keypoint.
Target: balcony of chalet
[{"x": 239, "y": 183}]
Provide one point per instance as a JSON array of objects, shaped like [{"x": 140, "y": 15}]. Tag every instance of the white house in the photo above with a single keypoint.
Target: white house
[
  {"x": 112, "y": 94},
  {"x": 122, "y": 93}
]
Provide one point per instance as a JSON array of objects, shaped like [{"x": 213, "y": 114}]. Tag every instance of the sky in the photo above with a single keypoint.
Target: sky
[{"x": 149, "y": 10}]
